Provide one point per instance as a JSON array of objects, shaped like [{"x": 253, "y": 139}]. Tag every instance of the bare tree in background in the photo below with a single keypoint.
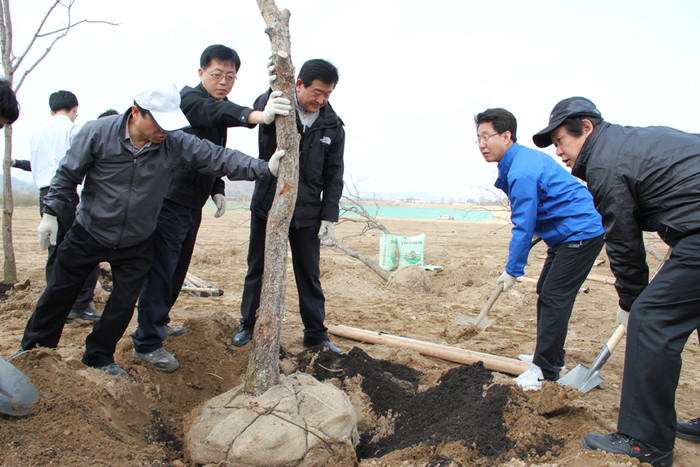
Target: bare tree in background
[{"x": 10, "y": 64}]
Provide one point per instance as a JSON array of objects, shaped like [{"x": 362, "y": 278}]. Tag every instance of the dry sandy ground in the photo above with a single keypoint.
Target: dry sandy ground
[{"x": 87, "y": 418}]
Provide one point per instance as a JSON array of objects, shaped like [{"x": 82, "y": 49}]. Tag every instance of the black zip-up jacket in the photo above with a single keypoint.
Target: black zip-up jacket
[
  {"x": 321, "y": 150},
  {"x": 642, "y": 179},
  {"x": 209, "y": 119}
]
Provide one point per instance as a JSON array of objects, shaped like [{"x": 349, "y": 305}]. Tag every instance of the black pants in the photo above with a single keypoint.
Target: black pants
[
  {"x": 77, "y": 256},
  {"x": 87, "y": 293},
  {"x": 173, "y": 244},
  {"x": 563, "y": 272},
  {"x": 306, "y": 254},
  {"x": 661, "y": 320}
]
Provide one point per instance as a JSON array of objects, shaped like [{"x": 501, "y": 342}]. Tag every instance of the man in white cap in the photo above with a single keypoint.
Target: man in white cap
[{"x": 127, "y": 162}]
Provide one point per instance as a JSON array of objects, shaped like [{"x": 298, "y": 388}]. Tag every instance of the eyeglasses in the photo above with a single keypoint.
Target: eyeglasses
[
  {"x": 218, "y": 76},
  {"x": 484, "y": 138}
]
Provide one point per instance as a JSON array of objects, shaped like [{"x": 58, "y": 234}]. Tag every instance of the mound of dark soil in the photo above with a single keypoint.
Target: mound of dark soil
[{"x": 463, "y": 407}]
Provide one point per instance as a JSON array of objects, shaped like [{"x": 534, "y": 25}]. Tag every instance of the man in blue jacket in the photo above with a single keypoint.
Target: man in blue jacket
[
  {"x": 127, "y": 162},
  {"x": 546, "y": 201},
  {"x": 321, "y": 147},
  {"x": 210, "y": 114},
  {"x": 642, "y": 179}
]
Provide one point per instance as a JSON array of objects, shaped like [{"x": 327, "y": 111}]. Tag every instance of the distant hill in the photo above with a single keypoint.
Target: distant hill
[
  {"x": 244, "y": 190},
  {"x": 22, "y": 187}
]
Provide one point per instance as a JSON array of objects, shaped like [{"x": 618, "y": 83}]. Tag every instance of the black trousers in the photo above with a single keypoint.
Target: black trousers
[
  {"x": 87, "y": 293},
  {"x": 77, "y": 256},
  {"x": 661, "y": 320},
  {"x": 564, "y": 270},
  {"x": 306, "y": 254},
  {"x": 173, "y": 244}
]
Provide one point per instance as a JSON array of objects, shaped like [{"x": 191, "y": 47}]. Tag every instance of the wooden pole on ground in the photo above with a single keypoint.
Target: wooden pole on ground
[
  {"x": 263, "y": 364},
  {"x": 445, "y": 352}
]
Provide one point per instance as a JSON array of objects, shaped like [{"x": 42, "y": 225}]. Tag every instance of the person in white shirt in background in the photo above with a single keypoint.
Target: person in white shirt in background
[{"x": 47, "y": 148}]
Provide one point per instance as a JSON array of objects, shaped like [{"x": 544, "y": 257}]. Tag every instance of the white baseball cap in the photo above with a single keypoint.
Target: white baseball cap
[{"x": 160, "y": 97}]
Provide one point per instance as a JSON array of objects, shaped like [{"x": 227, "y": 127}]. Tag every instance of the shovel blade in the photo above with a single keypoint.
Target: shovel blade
[
  {"x": 582, "y": 378},
  {"x": 17, "y": 391},
  {"x": 484, "y": 322}
]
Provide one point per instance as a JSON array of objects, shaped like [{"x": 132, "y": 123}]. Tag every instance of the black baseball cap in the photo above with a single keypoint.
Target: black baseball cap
[{"x": 571, "y": 107}]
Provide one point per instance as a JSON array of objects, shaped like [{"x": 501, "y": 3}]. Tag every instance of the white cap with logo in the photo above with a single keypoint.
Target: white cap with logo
[{"x": 160, "y": 97}]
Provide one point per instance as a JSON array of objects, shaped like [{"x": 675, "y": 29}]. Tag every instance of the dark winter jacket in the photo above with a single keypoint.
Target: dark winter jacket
[
  {"x": 123, "y": 192},
  {"x": 641, "y": 179},
  {"x": 209, "y": 119},
  {"x": 320, "y": 168}
]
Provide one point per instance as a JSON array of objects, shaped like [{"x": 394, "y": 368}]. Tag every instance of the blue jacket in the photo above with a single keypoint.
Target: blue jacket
[{"x": 546, "y": 201}]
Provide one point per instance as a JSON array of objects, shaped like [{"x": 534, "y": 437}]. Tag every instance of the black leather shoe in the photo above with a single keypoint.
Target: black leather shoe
[
  {"x": 689, "y": 430},
  {"x": 327, "y": 344},
  {"x": 88, "y": 313},
  {"x": 242, "y": 337},
  {"x": 618, "y": 443}
]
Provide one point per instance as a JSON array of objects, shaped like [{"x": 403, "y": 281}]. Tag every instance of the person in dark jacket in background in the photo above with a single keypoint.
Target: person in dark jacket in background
[
  {"x": 641, "y": 179},
  {"x": 546, "y": 201},
  {"x": 210, "y": 114},
  {"x": 321, "y": 150},
  {"x": 127, "y": 162}
]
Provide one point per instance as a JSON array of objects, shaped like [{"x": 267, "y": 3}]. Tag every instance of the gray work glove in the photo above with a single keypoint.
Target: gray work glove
[
  {"x": 326, "y": 230},
  {"x": 48, "y": 230},
  {"x": 271, "y": 70},
  {"x": 507, "y": 280},
  {"x": 220, "y": 201},
  {"x": 274, "y": 164},
  {"x": 623, "y": 317},
  {"x": 275, "y": 106}
]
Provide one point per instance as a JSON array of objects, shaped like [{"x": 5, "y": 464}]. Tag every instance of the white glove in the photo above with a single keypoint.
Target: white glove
[
  {"x": 48, "y": 230},
  {"x": 623, "y": 317},
  {"x": 507, "y": 280},
  {"x": 276, "y": 105},
  {"x": 220, "y": 201},
  {"x": 274, "y": 163},
  {"x": 271, "y": 70},
  {"x": 326, "y": 230}
]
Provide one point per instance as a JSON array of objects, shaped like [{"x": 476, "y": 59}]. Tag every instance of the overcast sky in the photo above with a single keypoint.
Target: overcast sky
[{"x": 412, "y": 73}]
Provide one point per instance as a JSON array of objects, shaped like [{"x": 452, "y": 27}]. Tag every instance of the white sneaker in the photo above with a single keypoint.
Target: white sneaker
[
  {"x": 531, "y": 379},
  {"x": 527, "y": 357}
]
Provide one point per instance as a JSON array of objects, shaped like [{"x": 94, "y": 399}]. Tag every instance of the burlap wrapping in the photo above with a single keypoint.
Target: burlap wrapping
[{"x": 279, "y": 427}]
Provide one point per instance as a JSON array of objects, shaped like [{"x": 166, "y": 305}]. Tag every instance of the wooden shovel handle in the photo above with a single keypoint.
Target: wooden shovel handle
[
  {"x": 484, "y": 313},
  {"x": 616, "y": 337},
  {"x": 492, "y": 299}
]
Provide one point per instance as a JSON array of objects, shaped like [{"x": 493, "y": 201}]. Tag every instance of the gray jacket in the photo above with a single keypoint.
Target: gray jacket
[{"x": 123, "y": 193}]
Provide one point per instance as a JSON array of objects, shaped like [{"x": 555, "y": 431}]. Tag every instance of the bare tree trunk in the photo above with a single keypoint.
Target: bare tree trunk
[
  {"x": 10, "y": 265},
  {"x": 263, "y": 363}
]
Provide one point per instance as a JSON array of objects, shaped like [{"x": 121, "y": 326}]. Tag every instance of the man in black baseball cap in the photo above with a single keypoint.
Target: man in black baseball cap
[
  {"x": 641, "y": 179},
  {"x": 571, "y": 107}
]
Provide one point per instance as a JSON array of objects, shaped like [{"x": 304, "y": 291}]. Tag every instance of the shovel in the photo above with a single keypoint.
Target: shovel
[
  {"x": 17, "y": 391},
  {"x": 483, "y": 320},
  {"x": 583, "y": 378}
]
